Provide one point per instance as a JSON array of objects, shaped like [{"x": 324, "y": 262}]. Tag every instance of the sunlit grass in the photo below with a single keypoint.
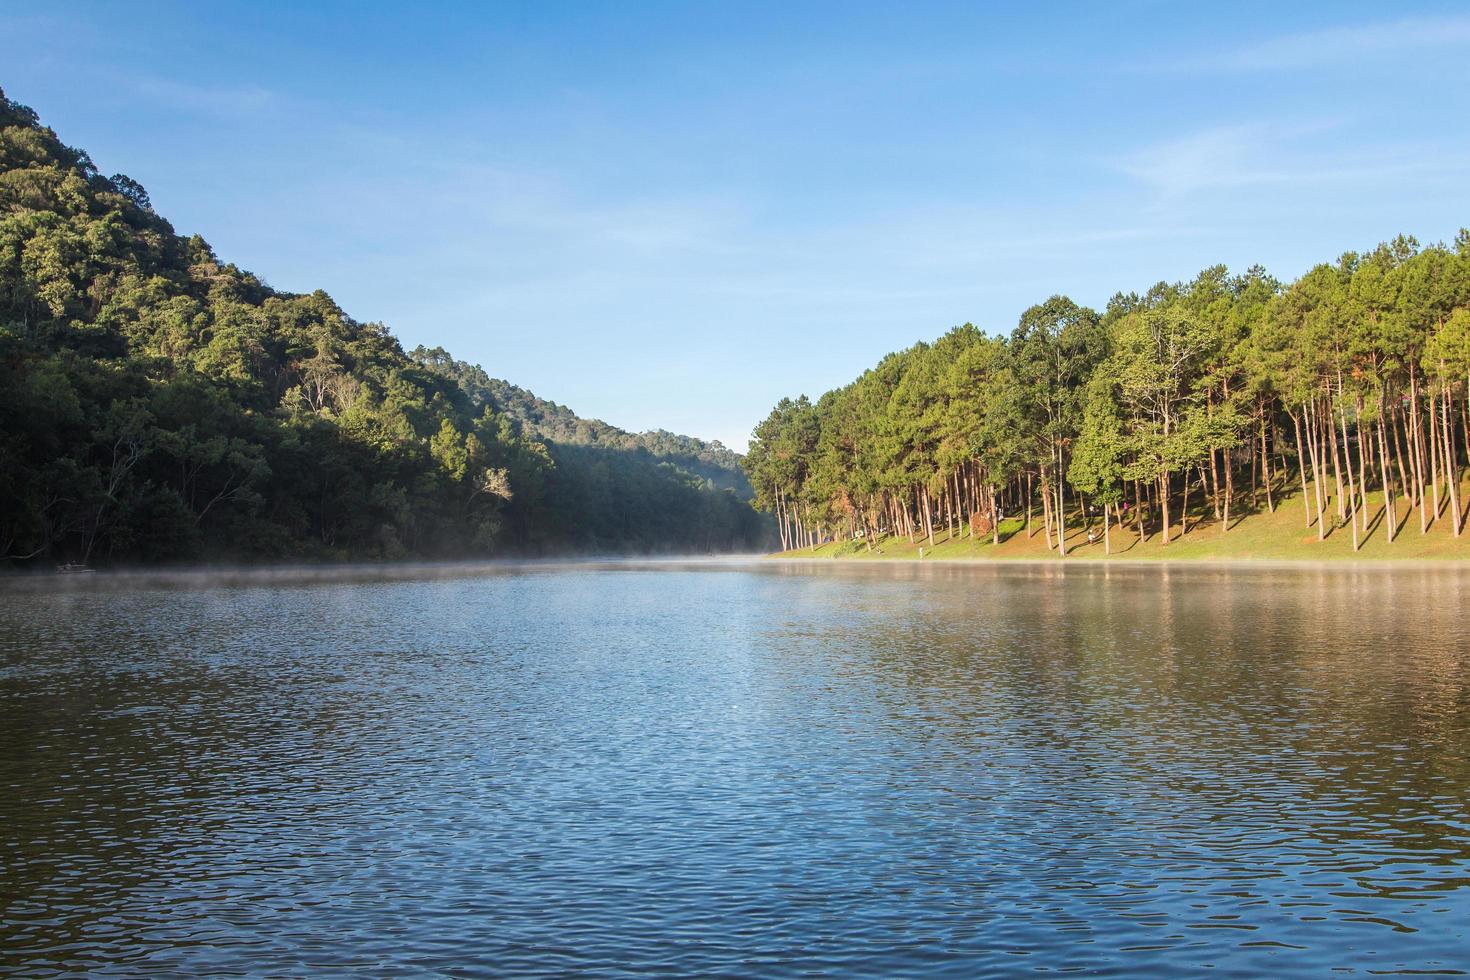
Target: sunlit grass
[{"x": 1254, "y": 535}]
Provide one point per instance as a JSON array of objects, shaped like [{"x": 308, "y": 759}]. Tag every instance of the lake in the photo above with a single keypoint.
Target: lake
[{"x": 741, "y": 768}]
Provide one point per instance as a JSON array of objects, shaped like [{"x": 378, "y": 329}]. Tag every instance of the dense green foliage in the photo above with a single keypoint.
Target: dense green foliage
[
  {"x": 157, "y": 403},
  {"x": 559, "y": 425},
  {"x": 1351, "y": 381}
]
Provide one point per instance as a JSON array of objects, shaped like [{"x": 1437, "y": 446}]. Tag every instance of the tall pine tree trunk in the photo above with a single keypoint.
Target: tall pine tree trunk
[
  {"x": 1365, "y": 447},
  {"x": 1465, "y": 420},
  {"x": 928, "y": 516},
  {"x": 1046, "y": 503},
  {"x": 994, "y": 518},
  {"x": 1028, "y": 503},
  {"x": 1266, "y": 476},
  {"x": 1061, "y": 506},
  {"x": 1416, "y": 449},
  {"x": 1215, "y": 484},
  {"x": 1312, "y": 429},
  {"x": 1301, "y": 457},
  {"x": 1347, "y": 452},
  {"x": 1434, "y": 448},
  {"x": 1229, "y": 490},
  {"x": 1343, "y": 504},
  {"x": 1451, "y": 477},
  {"x": 1388, "y": 508},
  {"x": 1164, "y": 503}
]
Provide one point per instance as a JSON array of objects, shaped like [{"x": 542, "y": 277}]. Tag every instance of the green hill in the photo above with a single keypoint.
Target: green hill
[
  {"x": 558, "y": 424},
  {"x": 158, "y": 403}
]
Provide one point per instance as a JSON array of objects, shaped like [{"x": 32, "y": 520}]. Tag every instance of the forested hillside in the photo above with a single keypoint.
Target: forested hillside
[
  {"x": 559, "y": 425},
  {"x": 1346, "y": 388},
  {"x": 159, "y": 403}
]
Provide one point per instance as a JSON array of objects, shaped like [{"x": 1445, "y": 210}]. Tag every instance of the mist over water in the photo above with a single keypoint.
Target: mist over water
[{"x": 740, "y": 768}]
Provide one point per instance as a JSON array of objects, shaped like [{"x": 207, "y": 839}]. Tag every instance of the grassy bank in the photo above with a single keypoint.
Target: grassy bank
[{"x": 1259, "y": 535}]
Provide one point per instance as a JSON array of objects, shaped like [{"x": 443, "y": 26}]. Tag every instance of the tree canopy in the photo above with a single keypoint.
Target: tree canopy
[{"x": 1354, "y": 377}]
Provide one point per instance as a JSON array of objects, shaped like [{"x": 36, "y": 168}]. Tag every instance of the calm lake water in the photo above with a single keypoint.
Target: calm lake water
[{"x": 742, "y": 769}]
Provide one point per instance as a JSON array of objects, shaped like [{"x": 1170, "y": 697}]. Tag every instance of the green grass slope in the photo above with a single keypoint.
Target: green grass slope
[{"x": 1253, "y": 535}]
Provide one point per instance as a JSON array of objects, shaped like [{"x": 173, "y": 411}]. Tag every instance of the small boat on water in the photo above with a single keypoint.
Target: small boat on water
[{"x": 73, "y": 568}]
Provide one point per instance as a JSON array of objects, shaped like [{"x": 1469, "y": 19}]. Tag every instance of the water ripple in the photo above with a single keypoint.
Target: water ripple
[{"x": 741, "y": 769}]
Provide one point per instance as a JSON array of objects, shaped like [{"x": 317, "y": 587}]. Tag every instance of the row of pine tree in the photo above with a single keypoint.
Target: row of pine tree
[{"x": 1347, "y": 387}]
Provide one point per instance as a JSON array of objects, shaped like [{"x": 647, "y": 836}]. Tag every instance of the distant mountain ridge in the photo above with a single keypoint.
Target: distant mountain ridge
[{"x": 710, "y": 460}]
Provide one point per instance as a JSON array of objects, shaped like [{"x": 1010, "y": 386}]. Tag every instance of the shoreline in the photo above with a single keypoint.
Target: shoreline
[
  {"x": 359, "y": 573},
  {"x": 1462, "y": 564},
  {"x": 346, "y": 573},
  {"x": 1283, "y": 536}
]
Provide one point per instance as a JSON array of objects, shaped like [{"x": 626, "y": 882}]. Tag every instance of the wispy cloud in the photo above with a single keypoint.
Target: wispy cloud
[
  {"x": 1220, "y": 157},
  {"x": 215, "y": 100},
  {"x": 1281, "y": 154},
  {"x": 1335, "y": 45}
]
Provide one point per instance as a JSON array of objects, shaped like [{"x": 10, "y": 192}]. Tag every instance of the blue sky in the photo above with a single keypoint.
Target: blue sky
[{"x": 672, "y": 215}]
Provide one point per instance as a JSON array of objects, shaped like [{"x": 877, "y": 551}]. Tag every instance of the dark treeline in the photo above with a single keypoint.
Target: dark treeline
[
  {"x": 158, "y": 404},
  {"x": 1347, "y": 386}
]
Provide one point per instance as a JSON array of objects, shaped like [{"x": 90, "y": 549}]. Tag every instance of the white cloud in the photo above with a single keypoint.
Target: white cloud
[
  {"x": 1287, "y": 155},
  {"x": 1338, "y": 44},
  {"x": 1219, "y": 157}
]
